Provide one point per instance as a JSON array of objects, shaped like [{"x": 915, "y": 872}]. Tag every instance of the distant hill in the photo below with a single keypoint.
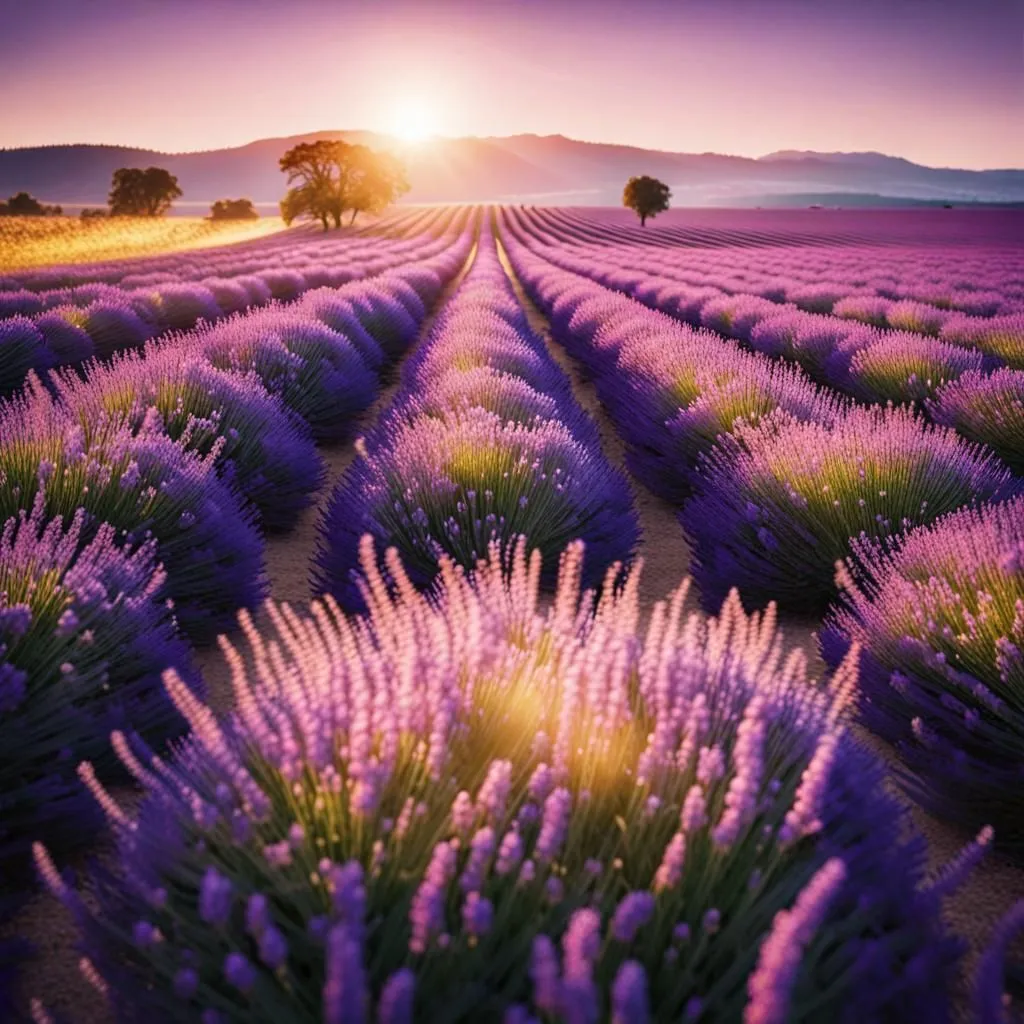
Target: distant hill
[
  {"x": 864, "y": 200},
  {"x": 518, "y": 169}
]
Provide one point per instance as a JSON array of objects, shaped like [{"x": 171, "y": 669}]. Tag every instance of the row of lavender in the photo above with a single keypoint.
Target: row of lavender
[
  {"x": 410, "y": 813},
  {"x": 133, "y": 498},
  {"x": 689, "y": 284},
  {"x": 69, "y": 326},
  {"x": 779, "y": 482},
  {"x": 828, "y": 279},
  {"x": 295, "y": 248},
  {"x": 964, "y": 385},
  {"x": 484, "y": 442}
]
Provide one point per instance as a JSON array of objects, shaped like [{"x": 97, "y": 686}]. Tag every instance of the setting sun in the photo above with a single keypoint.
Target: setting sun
[{"x": 412, "y": 120}]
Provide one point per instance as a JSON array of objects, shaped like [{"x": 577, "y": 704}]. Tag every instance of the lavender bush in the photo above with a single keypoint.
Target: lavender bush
[
  {"x": 22, "y": 348},
  {"x": 1001, "y": 336},
  {"x": 337, "y": 313},
  {"x": 778, "y": 506},
  {"x": 85, "y": 634},
  {"x": 316, "y": 372},
  {"x": 455, "y": 485},
  {"x": 180, "y": 307},
  {"x": 146, "y": 486},
  {"x": 113, "y": 325},
  {"x": 266, "y": 453},
  {"x": 940, "y": 619},
  {"x": 672, "y": 394},
  {"x": 987, "y": 408},
  {"x": 902, "y": 366},
  {"x": 69, "y": 343},
  {"x": 463, "y": 809}
]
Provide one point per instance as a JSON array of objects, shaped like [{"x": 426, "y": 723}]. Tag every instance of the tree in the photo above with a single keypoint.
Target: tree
[
  {"x": 142, "y": 193},
  {"x": 233, "y": 209},
  {"x": 329, "y": 177},
  {"x": 379, "y": 182},
  {"x": 93, "y": 213},
  {"x": 22, "y": 204},
  {"x": 646, "y": 196},
  {"x": 304, "y": 201}
]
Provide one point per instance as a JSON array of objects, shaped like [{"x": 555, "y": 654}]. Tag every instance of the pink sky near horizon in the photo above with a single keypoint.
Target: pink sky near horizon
[{"x": 940, "y": 88}]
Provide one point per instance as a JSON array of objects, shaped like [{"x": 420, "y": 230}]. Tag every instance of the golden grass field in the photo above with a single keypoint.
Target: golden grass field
[{"x": 41, "y": 241}]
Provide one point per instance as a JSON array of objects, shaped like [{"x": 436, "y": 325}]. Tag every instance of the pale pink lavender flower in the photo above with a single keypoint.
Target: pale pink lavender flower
[
  {"x": 510, "y": 853},
  {"x": 670, "y": 871},
  {"x": 771, "y": 984},
  {"x": 494, "y": 791},
  {"x": 554, "y": 824},
  {"x": 742, "y": 795},
  {"x": 426, "y": 915},
  {"x": 481, "y": 849}
]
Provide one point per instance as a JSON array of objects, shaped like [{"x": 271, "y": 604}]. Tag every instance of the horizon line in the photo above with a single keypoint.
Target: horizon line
[{"x": 457, "y": 138}]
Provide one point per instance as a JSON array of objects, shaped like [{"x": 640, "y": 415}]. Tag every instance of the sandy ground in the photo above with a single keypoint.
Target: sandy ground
[{"x": 54, "y": 974}]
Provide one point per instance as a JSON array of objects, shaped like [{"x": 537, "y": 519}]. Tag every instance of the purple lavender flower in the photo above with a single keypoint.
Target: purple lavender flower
[
  {"x": 426, "y": 914},
  {"x": 985, "y": 408},
  {"x": 264, "y": 452},
  {"x": 345, "y": 997},
  {"x": 396, "y": 998},
  {"x": 629, "y": 995},
  {"x": 544, "y": 973},
  {"x": 633, "y": 912},
  {"x": 213, "y": 566},
  {"x": 989, "y": 996},
  {"x": 22, "y": 348},
  {"x": 239, "y": 972},
  {"x": 477, "y": 915},
  {"x": 215, "y": 896}
]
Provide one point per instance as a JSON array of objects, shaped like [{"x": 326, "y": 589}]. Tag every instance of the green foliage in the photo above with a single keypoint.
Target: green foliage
[
  {"x": 330, "y": 177},
  {"x": 233, "y": 209},
  {"x": 22, "y": 204},
  {"x": 142, "y": 193},
  {"x": 646, "y": 196}
]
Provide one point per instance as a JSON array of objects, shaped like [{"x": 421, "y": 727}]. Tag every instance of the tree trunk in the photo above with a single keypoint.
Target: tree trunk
[
  {"x": 337, "y": 218},
  {"x": 323, "y": 220},
  {"x": 643, "y": 220},
  {"x": 353, "y": 220}
]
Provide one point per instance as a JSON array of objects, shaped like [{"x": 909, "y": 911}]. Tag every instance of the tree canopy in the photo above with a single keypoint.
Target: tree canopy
[
  {"x": 330, "y": 178},
  {"x": 143, "y": 193},
  {"x": 233, "y": 209},
  {"x": 23, "y": 204},
  {"x": 646, "y": 197}
]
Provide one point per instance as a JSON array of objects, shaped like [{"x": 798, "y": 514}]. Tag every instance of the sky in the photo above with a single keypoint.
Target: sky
[{"x": 940, "y": 82}]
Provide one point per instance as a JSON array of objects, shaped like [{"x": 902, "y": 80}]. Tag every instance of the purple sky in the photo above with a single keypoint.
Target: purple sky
[{"x": 937, "y": 81}]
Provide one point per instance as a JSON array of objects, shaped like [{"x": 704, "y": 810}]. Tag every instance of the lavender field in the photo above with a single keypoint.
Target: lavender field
[{"x": 511, "y": 613}]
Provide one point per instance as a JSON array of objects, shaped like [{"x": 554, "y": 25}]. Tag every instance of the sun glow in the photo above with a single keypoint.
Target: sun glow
[{"x": 412, "y": 120}]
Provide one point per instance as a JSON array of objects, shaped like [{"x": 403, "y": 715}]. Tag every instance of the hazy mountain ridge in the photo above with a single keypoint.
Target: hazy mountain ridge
[{"x": 518, "y": 168}]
